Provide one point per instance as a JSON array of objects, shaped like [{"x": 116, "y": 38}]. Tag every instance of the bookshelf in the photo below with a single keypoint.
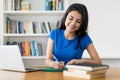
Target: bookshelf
[
  {"x": 108, "y": 53},
  {"x": 36, "y": 13}
]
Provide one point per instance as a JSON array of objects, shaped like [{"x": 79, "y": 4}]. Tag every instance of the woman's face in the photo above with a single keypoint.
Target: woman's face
[{"x": 73, "y": 21}]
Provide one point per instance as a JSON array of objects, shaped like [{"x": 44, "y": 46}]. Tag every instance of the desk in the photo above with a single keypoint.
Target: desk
[{"x": 112, "y": 74}]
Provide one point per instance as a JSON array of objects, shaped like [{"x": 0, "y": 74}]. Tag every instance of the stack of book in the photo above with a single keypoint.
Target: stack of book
[
  {"x": 86, "y": 70},
  {"x": 25, "y": 6}
]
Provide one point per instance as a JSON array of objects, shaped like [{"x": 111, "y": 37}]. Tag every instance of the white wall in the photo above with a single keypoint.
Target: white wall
[
  {"x": 111, "y": 62},
  {"x": 104, "y": 25},
  {"x": 104, "y": 28}
]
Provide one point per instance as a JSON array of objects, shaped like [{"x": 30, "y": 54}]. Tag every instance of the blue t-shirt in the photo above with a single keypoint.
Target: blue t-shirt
[{"x": 64, "y": 49}]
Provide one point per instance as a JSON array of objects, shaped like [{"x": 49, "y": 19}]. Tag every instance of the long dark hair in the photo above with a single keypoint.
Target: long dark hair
[{"x": 82, "y": 31}]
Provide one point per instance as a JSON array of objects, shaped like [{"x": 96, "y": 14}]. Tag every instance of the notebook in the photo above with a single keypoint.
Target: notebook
[
  {"x": 87, "y": 66},
  {"x": 51, "y": 69},
  {"x": 10, "y": 59}
]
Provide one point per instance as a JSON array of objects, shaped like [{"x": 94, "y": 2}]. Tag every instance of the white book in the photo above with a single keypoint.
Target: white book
[
  {"x": 9, "y": 5},
  {"x": 87, "y": 72},
  {"x": 57, "y": 5},
  {"x": 47, "y": 27},
  {"x": 13, "y": 5},
  {"x": 30, "y": 27},
  {"x": 39, "y": 28},
  {"x": 85, "y": 76}
]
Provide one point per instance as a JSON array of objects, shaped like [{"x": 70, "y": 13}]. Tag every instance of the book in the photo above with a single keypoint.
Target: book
[
  {"x": 47, "y": 5},
  {"x": 8, "y": 22},
  {"x": 25, "y": 6},
  {"x": 40, "y": 53},
  {"x": 87, "y": 72},
  {"x": 47, "y": 26},
  {"x": 83, "y": 75},
  {"x": 87, "y": 66},
  {"x": 9, "y": 5}
]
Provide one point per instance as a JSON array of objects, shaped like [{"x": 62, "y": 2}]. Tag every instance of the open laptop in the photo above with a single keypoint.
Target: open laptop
[{"x": 10, "y": 59}]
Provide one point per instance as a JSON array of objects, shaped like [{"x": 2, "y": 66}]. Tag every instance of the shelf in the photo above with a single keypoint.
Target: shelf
[
  {"x": 26, "y": 35},
  {"x": 28, "y": 13},
  {"x": 33, "y": 57}
]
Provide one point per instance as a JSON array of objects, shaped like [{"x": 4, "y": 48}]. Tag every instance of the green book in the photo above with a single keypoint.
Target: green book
[{"x": 50, "y": 69}]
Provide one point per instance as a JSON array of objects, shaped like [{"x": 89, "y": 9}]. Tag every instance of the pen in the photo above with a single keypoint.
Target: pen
[{"x": 55, "y": 58}]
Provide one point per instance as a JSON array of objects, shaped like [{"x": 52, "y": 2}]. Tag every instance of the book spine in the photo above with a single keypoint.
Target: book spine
[{"x": 53, "y": 5}]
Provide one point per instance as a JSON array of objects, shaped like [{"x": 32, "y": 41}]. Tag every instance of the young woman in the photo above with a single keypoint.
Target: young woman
[{"x": 68, "y": 43}]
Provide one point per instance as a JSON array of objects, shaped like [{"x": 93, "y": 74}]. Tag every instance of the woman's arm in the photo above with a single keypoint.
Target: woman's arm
[
  {"x": 93, "y": 54},
  {"x": 49, "y": 53}
]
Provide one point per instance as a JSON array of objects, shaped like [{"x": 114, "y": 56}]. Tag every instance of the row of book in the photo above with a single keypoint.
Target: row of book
[
  {"x": 12, "y": 5},
  {"x": 15, "y": 26},
  {"x": 86, "y": 70},
  {"x": 54, "y": 4},
  {"x": 18, "y": 5},
  {"x": 27, "y": 48}
]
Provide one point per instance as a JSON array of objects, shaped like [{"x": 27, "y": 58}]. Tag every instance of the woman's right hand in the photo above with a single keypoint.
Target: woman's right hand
[{"x": 58, "y": 65}]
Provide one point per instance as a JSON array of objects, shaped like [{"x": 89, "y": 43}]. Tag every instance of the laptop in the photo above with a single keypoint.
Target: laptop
[{"x": 10, "y": 59}]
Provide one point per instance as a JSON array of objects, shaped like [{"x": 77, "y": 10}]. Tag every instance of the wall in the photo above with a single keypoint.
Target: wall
[{"x": 104, "y": 26}]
